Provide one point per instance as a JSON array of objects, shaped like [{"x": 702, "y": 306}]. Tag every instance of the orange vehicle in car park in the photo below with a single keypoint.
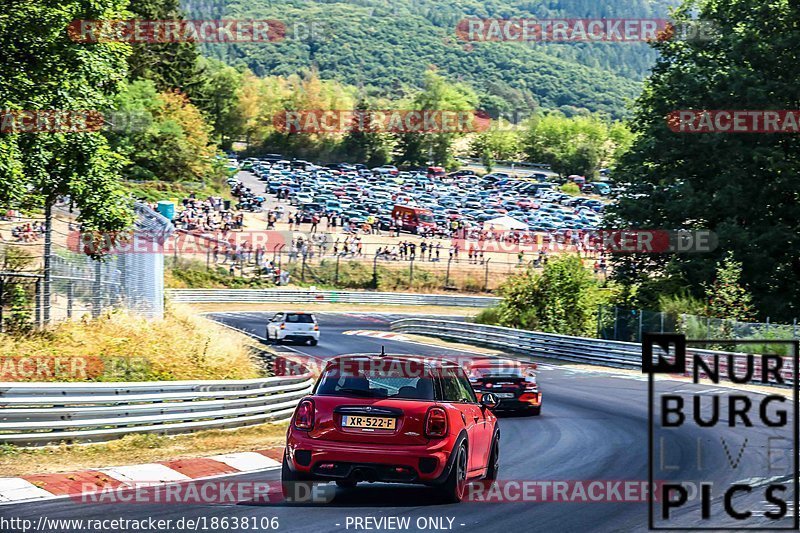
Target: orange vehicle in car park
[
  {"x": 414, "y": 219},
  {"x": 436, "y": 173},
  {"x": 512, "y": 382}
]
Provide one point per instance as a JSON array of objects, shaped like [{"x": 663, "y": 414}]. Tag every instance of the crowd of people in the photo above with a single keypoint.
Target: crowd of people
[
  {"x": 329, "y": 234},
  {"x": 28, "y": 232},
  {"x": 209, "y": 215}
]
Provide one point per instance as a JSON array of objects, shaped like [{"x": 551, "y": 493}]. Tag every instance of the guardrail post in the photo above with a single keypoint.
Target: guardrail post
[
  {"x": 48, "y": 258},
  {"x": 411, "y": 273},
  {"x": 447, "y": 276},
  {"x": 97, "y": 290},
  {"x": 2, "y": 301},
  {"x": 641, "y": 315},
  {"x": 70, "y": 297},
  {"x": 374, "y": 271},
  {"x": 486, "y": 276},
  {"x": 599, "y": 321},
  {"x": 37, "y": 302},
  {"x": 303, "y": 269}
]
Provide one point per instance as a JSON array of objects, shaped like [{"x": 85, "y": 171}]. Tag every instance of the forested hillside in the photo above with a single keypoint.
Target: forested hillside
[{"x": 384, "y": 46}]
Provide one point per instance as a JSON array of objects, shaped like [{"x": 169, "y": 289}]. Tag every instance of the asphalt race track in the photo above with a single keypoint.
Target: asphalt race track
[{"x": 593, "y": 427}]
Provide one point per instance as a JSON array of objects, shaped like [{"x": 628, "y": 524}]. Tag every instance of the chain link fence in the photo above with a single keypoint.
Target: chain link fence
[
  {"x": 131, "y": 278},
  {"x": 231, "y": 259},
  {"x": 353, "y": 271},
  {"x": 617, "y": 323}
]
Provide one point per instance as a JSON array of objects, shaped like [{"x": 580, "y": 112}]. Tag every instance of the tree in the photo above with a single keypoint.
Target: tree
[
  {"x": 46, "y": 71},
  {"x": 220, "y": 95},
  {"x": 727, "y": 298},
  {"x": 363, "y": 145},
  {"x": 169, "y": 65},
  {"x": 743, "y": 187},
  {"x": 573, "y": 145},
  {"x": 563, "y": 299},
  {"x": 499, "y": 142},
  {"x": 173, "y": 142},
  {"x": 420, "y": 148}
]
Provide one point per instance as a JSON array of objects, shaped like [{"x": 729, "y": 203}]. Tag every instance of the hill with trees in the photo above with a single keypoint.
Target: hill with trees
[{"x": 385, "y": 46}]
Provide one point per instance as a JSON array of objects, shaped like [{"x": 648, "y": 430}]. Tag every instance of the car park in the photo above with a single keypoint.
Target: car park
[{"x": 469, "y": 199}]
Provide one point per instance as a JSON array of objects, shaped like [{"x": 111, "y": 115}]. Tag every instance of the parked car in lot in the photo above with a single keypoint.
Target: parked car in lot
[
  {"x": 302, "y": 198},
  {"x": 386, "y": 169},
  {"x": 392, "y": 419},
  {"x": 300, "y": 327},
  {"x": 512, "y": 382},
  {"x": 431, "y": 204}
]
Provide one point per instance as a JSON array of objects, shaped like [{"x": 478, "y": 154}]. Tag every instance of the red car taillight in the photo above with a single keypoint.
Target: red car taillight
[
  {"x": 436, "y": 423},
  {"x": 530, "y": 397},
  {"x": 304, "y": 416}
]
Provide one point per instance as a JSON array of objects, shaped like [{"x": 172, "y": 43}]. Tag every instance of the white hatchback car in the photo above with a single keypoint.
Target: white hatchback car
[{"x": 301, "y": 327}]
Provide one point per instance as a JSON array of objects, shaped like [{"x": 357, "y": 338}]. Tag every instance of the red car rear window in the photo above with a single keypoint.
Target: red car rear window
[{"x": 376, "y": 384}]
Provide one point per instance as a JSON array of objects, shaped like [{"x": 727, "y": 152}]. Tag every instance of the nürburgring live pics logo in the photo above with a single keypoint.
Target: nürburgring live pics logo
[{"x": 721, "y": 457}]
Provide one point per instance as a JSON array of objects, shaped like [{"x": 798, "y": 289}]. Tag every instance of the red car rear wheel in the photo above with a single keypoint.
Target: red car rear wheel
[
  {"x": 452, "y": 490},
  {"x": 293, "y": 485}
]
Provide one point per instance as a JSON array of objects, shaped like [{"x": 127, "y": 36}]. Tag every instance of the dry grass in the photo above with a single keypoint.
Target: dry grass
[
  {"x": 123, "y": 347},
  {"x": 137, "y": 449}
]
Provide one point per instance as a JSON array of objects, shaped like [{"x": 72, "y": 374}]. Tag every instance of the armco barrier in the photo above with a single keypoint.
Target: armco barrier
[
  {"x": 305, "y": 296},
  {"x": 563, "y": 347},
  {"x": 49, "y": 413}
]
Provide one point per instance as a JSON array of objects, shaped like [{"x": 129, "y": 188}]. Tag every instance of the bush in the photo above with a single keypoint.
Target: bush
[
  {"x": 489, "y": 316},
  {"x": 571, "y": 188},
  {"x": 563, "y": 299}
]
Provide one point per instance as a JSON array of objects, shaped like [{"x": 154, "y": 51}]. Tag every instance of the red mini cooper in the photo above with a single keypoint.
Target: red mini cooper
[{"x": 393, "y": 419}]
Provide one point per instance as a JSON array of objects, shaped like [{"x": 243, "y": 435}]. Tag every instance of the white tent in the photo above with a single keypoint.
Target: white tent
[{"x": 505, "y": 222}]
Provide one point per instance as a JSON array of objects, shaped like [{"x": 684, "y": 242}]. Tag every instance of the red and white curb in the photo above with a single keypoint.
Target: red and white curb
[
  {"x": 53, "y": 486},
  {"x": 388, "y": 335}
]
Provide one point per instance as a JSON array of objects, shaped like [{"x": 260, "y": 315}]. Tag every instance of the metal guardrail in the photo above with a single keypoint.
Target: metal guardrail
[
  {"x": 551, "y": 346},
  {"x": 306, "y": 296},
  {"x": 50, "y": 413},
  {"x": 576, "y": 349}
]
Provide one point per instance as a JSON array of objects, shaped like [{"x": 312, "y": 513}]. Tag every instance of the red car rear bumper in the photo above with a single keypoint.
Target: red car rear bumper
[{"x": 313, "y": 458}]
